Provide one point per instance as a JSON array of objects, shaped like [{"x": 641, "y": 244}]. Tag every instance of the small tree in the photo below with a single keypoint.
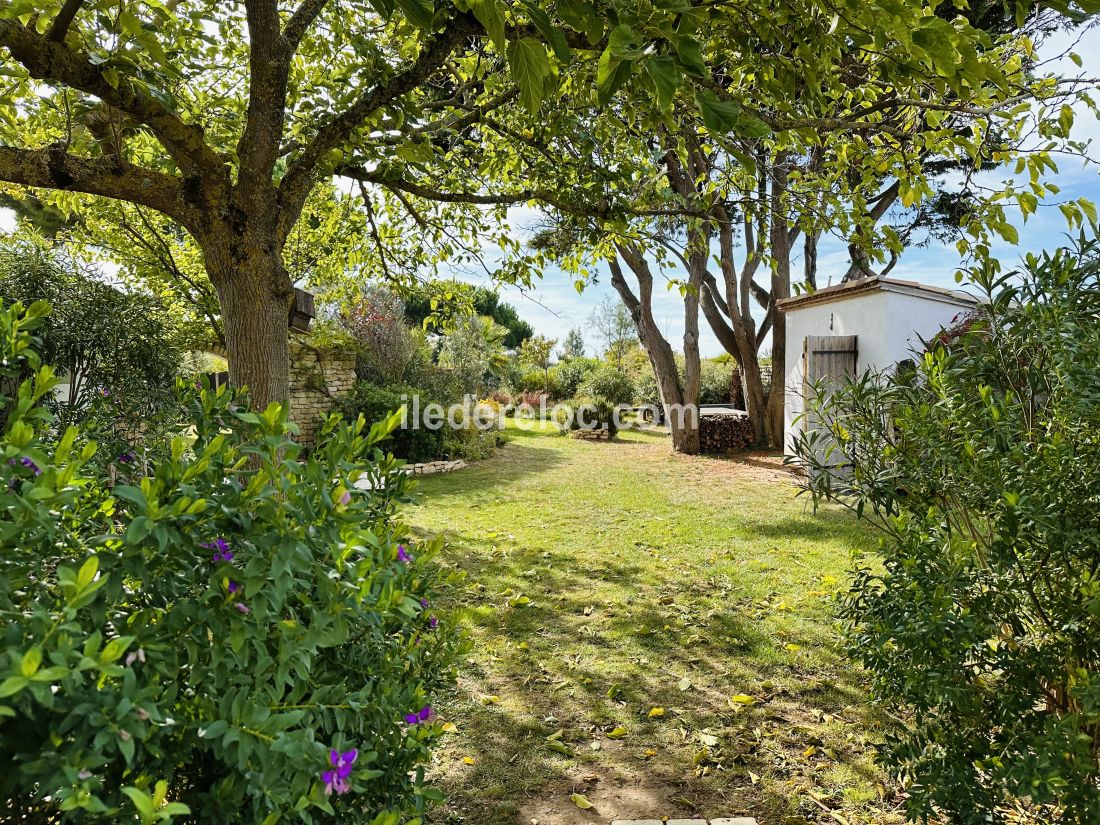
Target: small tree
[
  {"x": 474, "y": 350},
  {"x": 980, "y": 463},
  {"x": 615, "y": 328},
  {"x": 538, "y": 352},
  {"x": 115, "y": 350},
  {"x": 573, "y": 347}
]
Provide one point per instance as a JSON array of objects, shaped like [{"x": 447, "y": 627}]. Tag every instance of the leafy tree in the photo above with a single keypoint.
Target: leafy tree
[
  {"x": 143, "y": 104},
  {"x": 439, "y": 303},
  {"x": 538, "y": 352},
  {"x": 474, "y": 350},
  {"x": 115, "y": 350},
  {"x": 615, "y": 329},
  {"x": 573, "y": 346},
  {"x": 979, "y": 463}
]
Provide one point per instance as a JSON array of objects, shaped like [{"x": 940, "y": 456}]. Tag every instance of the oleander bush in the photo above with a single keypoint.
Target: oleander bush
[
  {"x": 980, "y": 462},
  {"x": 238, "y": 636}
]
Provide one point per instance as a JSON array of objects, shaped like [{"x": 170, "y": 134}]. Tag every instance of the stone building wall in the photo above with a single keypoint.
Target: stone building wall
[{"x": 317, "y": 378}]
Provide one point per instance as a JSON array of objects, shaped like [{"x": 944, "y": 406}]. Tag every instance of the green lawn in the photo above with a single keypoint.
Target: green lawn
[{"x": 652, "y": 631}]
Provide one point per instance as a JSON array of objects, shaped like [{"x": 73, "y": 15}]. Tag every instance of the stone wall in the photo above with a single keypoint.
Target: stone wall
[{"x": 317, "y": 378}]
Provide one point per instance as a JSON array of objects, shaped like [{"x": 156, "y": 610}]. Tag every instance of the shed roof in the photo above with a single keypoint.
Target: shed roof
[{"x": 852, "y": 289}]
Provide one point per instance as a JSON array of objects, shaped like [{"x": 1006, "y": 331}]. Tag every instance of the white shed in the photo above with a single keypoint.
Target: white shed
[{"x": 848, "y": 328}]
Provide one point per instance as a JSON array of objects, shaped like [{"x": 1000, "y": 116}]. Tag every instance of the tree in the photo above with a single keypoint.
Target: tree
[
  {"x": 115, "y": 351},
  {"x": 474, "y": 350},
  {"x": 979, "y": 462},
  {"x": 439, "y": 303},
  {"x": 141, "y": 104},
  {"x": 573, "y": 346},
  {"x": 615, "y": 329},
  {"x": 538, "y": 352}
]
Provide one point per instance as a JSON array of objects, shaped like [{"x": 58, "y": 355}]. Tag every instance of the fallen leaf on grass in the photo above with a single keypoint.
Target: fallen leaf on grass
[
  {"x": 450, "y": 727},
  {"x": 655, "y": 712},
  {"x": 618, "y": 733},
  {"x": 742, "y": 699},
  {"x": 468, "y": 760}
]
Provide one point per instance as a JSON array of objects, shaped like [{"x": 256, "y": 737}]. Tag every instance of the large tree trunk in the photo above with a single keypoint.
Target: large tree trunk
[
  {"x": 681, "y": 409},
  {"x": 255, "y": 294}
]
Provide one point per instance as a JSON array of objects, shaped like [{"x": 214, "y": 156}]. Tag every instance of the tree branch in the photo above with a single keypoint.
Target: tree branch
[
  {"x": 298, "y": 180},
  {"x": 301, "y": 20},
  {"x": 60, "y": 26},
  {"x": 54, "y": 168},
  {"x": 55, "y": 62},
  {"x": 268, "y": 71}
]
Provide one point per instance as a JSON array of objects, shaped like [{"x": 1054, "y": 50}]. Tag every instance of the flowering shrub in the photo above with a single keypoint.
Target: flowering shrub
[
  {"x": 236, "y": 637},
  {"x": 981, "y": 466}
]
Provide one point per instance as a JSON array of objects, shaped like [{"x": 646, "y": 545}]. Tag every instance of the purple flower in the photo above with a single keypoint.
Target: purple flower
[
  {"x": 222, "y": 546},
  {"x": 233, "y": 586},
  {"x": 125, "y": 458},
  {"x": 424, "y": 603},
  {"x": 345, "y": 499},
  {"x": 244, "y": 608},
  {"x": 337, "y": 779},
  {"x": 433, "y": 623},
  {"x": 423, "y": 715},
  {"x": 403, "y": 554},
  {"x": 28, "y": 463}
]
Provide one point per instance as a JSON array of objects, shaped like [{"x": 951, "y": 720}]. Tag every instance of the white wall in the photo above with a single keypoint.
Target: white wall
[{"x": 889, "y": 325}]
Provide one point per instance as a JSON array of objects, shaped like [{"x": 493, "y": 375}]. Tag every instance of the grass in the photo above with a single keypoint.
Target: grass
[{"x": 651, "y": 631}]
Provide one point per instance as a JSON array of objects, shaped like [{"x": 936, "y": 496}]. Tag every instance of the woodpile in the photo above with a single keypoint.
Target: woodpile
[{"x": 725, "y": 433}]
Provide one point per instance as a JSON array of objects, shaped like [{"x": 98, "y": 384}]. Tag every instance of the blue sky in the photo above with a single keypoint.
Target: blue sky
[{"x": 553, "y": 307}]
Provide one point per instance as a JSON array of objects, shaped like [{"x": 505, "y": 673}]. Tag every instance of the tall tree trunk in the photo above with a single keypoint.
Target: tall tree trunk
[
  {"x": 781, "y": 288},
  {"x": 681, "y": 410},
  {"x": 255, "y": 294}
]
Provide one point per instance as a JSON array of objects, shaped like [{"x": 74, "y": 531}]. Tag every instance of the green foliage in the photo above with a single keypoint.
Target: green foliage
[
  {"x": 375, "y": 404},
  {"x": 441, "y": 303},
  {"x": 715, "y": 382},
  {"x": 568, "y": 376},
  {"x": 114, "y": 351},
  {"x": 537, "y": 351},
  {"x": 142, "y": 676},
  {"x": 573, "y": 346},
  {"x": 608, "y": 383},
  {"x": 980, "y": 462},
  {"x": 587, "y": 412},
  {"x": 474, "y": 351}
]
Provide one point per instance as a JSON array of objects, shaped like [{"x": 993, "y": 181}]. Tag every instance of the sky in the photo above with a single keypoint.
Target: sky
[{"x": 553, "y": 306}]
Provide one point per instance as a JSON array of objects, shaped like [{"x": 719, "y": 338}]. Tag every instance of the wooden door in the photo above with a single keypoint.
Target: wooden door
[{"x": 827, "y": 360}]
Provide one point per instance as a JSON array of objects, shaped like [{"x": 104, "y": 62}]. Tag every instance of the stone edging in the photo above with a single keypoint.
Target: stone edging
[{"x": 427, "y": 468}]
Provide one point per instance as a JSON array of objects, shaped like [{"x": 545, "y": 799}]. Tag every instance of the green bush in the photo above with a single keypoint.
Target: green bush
[
  {"x": 608, "y": 383},
  {"x": 715, "y": 382},
  {"x": 199, "y": 642},
  {"x": 587, "y": 413},
  {"x": 568, "y": 376},
  {"x": 980, "y": 462},
  {"x": 114, "y": 350},
  {"x": 376, "y": 404}
]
